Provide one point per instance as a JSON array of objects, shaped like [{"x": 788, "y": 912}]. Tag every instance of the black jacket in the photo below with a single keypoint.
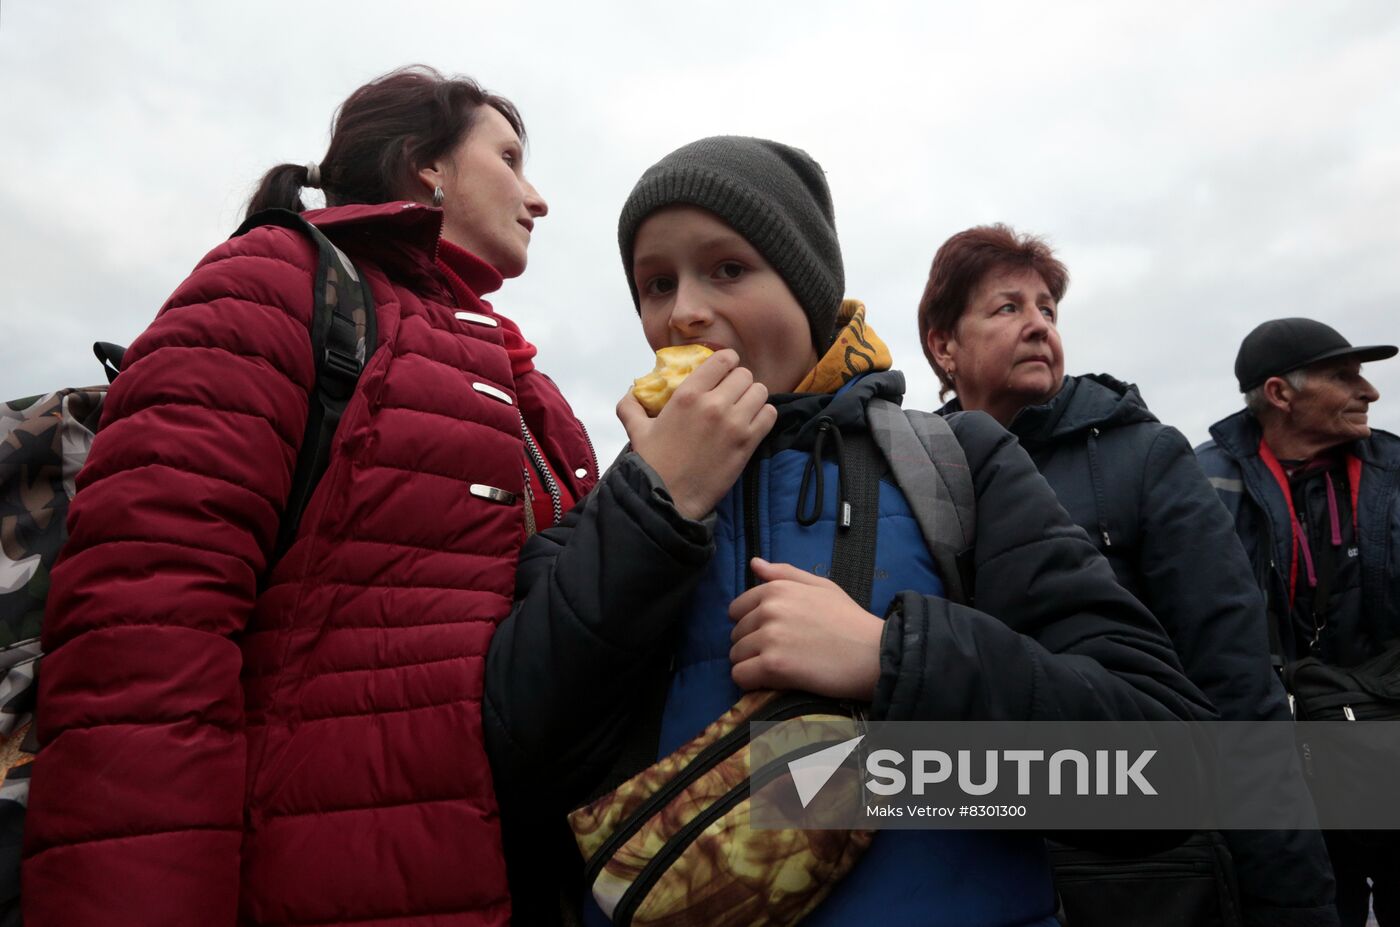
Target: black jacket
[{"x": 1134, "y": 486}]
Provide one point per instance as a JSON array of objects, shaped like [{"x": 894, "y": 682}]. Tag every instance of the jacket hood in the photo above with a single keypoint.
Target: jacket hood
[{"x": 1094, "y": 400}]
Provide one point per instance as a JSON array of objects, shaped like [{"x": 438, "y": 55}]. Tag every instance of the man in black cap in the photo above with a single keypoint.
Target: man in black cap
[{"x": 1315, "y": 494}]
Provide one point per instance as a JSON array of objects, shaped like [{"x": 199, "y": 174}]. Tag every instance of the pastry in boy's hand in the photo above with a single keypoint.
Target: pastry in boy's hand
[{"x": 673, "y": 365}]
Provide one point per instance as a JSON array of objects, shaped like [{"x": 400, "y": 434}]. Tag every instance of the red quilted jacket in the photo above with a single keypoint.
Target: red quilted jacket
[{"x": 305, "y": 747}]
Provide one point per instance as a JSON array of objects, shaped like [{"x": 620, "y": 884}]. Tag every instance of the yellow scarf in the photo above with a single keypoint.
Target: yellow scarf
[{"x": 857, "y": 350}]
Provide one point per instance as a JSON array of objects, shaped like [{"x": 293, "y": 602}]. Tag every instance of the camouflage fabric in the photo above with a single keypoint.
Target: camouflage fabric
[
  {"x": 729, "y": 873},
  {"x": 43, "y": 443}
]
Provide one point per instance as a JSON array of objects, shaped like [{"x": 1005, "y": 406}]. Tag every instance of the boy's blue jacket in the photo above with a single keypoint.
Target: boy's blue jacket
[{"x": 626, "y": 588}]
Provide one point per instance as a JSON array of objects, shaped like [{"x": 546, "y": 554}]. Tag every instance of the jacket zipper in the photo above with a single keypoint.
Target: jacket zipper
[
  {"x": 592, "y": 453},
  {"x": 542, "y": 468},
  {"x": 653, "y": 871},
  {"x": 780, "y": 710},
  {"x": 1276, "y": 588}
]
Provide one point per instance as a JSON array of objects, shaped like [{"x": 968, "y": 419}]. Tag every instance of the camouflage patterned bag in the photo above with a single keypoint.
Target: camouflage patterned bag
[
  {"x": 673, "y": 845},
  {"x": 43, "y": 442}
]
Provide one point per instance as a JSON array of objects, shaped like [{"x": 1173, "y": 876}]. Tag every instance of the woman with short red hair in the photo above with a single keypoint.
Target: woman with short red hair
[{"x": 988, "y": 321}]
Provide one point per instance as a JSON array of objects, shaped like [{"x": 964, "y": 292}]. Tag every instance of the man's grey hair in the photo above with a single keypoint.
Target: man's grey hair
[{"x": 1255, "y": 400}]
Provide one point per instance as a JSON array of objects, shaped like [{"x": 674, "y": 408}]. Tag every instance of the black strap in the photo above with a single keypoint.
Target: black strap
[
  {"x": 344, "y": 309},
  {"x": 853, "y": 551},
  {"x": 1325, "y": 565},
  {"x": 111, "y": 357}
]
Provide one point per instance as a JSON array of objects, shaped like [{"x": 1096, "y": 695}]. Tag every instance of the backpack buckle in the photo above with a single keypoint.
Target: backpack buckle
[{"x": 345, "y": 373}]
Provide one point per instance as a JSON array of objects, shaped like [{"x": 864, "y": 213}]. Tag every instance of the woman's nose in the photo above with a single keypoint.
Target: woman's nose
[
  {"x": 1037, "y": 325},
  {"x": 534, "y": 203}
]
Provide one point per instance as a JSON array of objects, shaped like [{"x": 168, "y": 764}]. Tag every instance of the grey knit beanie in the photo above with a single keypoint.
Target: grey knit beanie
[{"x": 773, "y": 195}]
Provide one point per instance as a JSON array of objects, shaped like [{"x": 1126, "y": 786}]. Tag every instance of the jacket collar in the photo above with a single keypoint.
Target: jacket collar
[
  {"x": 402, "y": 236},
  {"x": 412, "y": 223},
  {"x": 480, "y": 277},
  {"x": 1239, "y": 436},
  {"x": 1093, "y": 400},
  {"x": 798, "y": 412}
]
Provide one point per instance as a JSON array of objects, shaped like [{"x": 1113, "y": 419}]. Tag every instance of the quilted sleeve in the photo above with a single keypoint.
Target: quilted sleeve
[
  {"x": 1200, "y": 583},
  {"x": 136, "y": 810},
  {"x": 597, "y": 600},
  {"x": 1052, "y": 635}
]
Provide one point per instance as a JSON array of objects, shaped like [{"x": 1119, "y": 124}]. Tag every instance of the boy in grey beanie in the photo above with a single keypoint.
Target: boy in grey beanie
[
  {"x": 770, "y": 193},
  {"x": 700, "y": 567}
]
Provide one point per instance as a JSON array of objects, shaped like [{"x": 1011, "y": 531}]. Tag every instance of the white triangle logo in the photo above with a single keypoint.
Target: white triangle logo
[{"x": 814, "y": 770}]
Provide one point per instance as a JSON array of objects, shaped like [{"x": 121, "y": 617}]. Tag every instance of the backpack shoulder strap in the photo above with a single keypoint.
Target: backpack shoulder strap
[
  {"x": 858, "y": 526},
  {"x": 931, "y": 470},
  {"x": 110, "y": 357},
  {"x": 343, "y": 336}
]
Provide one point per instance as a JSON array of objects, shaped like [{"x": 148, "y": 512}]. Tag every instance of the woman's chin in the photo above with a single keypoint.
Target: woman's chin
[{"x": 1033, "y": 388}]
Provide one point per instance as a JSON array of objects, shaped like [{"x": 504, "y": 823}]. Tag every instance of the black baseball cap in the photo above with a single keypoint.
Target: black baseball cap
[{"x": 1283, "y": 345}]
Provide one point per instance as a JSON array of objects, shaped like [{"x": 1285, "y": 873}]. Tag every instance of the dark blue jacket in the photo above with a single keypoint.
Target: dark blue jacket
[
  {"x": 607, "y": 600},
  {"x": 1362, "y": 626},
  {"x": 1133, "y": 485}
]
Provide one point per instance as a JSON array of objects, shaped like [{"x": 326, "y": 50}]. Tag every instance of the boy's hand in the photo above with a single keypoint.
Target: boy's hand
[
  {"x": 800, "y": 631},
  {"x": 701, "y": 441}
]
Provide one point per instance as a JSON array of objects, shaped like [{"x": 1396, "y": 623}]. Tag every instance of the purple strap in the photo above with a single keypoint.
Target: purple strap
[{"x": 1307, "y": 553}]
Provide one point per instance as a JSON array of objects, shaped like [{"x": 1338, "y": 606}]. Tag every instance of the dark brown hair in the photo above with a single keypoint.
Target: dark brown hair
[
  {"x": 959, "y": 267},
  {"x": 382, "y": 135}
]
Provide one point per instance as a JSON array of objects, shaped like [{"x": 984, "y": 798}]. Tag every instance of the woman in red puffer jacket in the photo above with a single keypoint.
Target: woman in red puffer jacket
[{"x": 230, "y": 741}]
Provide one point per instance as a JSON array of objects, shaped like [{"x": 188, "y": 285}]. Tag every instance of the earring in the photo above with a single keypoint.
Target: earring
[{"x": 437, "y": 196}]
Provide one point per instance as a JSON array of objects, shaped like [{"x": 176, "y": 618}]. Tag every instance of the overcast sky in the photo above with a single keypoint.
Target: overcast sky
[{"x": 1201, "y": 167}]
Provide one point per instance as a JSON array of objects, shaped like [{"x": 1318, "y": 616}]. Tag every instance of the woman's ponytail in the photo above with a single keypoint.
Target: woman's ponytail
[{"x": 280, "y": 188}]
